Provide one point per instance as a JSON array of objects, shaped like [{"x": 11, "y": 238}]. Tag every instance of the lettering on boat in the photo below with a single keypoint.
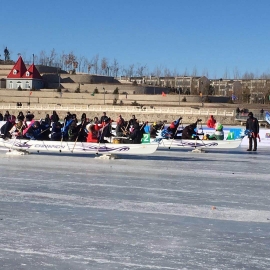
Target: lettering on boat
[{"x": 48, "y": 146}]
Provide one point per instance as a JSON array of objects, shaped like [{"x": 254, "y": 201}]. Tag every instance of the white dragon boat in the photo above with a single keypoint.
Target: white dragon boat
[
  {"x": 199, "y": 144},
  {"x": 29, "y": 146}
]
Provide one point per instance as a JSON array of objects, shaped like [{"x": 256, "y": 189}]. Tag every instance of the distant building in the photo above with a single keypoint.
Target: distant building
[{"x": 21, "y": 77}]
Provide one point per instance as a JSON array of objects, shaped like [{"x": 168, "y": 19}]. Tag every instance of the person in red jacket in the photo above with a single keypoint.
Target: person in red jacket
[
  {"x": 211, "y": 122},
  {"x": 93, "y": 133}
]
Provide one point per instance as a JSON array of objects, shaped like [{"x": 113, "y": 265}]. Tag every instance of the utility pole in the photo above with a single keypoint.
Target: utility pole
[
  {"x": 219, "y": 86},
  {"x": 104, "y": 95}
]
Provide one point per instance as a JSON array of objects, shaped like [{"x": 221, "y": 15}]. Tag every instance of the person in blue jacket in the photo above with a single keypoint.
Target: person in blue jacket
[
  {"x": 171, "y": 131},
  {"x": 33, "y": 133}
]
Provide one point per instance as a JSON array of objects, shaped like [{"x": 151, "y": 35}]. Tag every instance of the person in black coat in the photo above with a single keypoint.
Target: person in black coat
[
  {"x": 20, "y": 116},
  {"x": 7, "y": 116},
  {"x": 252, "y": 126},
  {"x": 56, "y": 133},
  {"x": 7, "y": 127},
  {"x": 135, "y": 136},
  {"x": 132, "y": 121},
  {"x": 190, "y": 133},
  {"x": 103, "y": 117},
  {"x": 54, "y": 117},
  {"x": 29, "y": 116},
  {"x": 105, "y": 131}
]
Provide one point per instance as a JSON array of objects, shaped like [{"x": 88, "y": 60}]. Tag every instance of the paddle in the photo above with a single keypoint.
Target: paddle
[
  {"x": 78, "y": 135},
  {"x": 62, "y": 138},
  {"x": 37, "y": 135},
  {"x": 197, "y": 136},
  {"x": 100, "y": 140}
]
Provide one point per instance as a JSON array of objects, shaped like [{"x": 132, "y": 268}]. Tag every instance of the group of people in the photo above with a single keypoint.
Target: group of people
[
  {"x": 99, "y": 130},
  {"x": 252, "y": 130},
  {"x": 95, "y": 130},
  {"x": 24, "y": 126},
  {"x": 72, "y": 129},
  {"x": 192, "y": 132}
]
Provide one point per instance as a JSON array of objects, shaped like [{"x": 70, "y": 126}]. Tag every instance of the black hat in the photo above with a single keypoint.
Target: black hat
[{"x": 250, "y": 114}]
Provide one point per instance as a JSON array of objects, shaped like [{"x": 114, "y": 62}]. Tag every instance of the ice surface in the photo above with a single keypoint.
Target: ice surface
[{"x": 171, "y": 210}]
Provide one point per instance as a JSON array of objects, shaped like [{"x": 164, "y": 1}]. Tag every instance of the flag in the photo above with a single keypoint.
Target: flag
[
  {"x": 30, "y": 93},
  {"x": 163, "y": 94}
]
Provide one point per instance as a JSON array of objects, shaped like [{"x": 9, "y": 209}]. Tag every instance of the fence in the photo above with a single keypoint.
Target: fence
[{"x": 121, "y": 109}]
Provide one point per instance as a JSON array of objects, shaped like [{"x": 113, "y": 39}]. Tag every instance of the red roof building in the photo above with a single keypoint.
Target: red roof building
[
  {"x": 21, "y": 77},
  {"x": 18, "y": 70},
  {"x": 32, "y": 73}
]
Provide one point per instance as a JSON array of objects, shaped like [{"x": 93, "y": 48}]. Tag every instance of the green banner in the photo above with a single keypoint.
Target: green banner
[
  {"x": 146, "y": 138},
  {"x": 230, "y": 136}
]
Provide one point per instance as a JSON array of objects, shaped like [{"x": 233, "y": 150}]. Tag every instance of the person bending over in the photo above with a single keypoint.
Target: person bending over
[
  {"x": 135, "y": 136},
  {"x": 190, "y": 132}
]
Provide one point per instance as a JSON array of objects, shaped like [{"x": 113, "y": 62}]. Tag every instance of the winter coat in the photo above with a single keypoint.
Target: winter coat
[
  {"x": 252, "y": 125},
  {"x": 189, "y": 131}
]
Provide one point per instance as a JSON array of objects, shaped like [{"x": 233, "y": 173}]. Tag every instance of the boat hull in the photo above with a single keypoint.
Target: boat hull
[
  {"x": 79, "y": 147},
  {"x": 224, "y": 144}
]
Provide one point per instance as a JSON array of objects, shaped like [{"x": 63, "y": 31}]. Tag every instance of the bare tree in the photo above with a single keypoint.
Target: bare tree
[
  {"x": 205, "y": 72},
  {"x": 265, "y": 76},
  {"x": 43, "y": 58},
  {"x": 185, "y": 72},
  {"x": 194, "y": 72},
  {"x": 115, "y": 68},
  {"x": 167, "y": 72},
  {"x": 140, "y": 70},
  {"x": 130, "y": 71},
  {"x": 175, "y": 72},
  {"x": 80, "y": 61},
  {"x": 52, "y": 57},
  {"x": 248, "y": 75},
  {"x": 69, "y": 61},
  {"x": 95, "y": 60},
  {"x": 236, "y": 74},
  {"x": 226, "y": 74},
  {"x": 157, "y": 72},
  {"x": 104, "y": 66}
]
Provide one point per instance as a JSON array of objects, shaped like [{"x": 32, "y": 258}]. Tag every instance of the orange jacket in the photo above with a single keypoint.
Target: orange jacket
[{"x": 93, "y": 135}]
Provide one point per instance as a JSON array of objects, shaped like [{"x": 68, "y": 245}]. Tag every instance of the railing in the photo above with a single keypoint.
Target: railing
[
  {"x": 120, "y": 109},
  {"x": 243, "y": 116}
]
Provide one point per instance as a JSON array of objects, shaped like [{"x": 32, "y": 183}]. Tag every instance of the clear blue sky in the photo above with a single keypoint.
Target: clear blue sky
[{"x": 212, "y": 36}]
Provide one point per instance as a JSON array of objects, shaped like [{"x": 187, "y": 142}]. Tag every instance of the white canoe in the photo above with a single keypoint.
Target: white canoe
[
  {"x": 178, "y": 143},
  {"x": 79, "y": 147}
]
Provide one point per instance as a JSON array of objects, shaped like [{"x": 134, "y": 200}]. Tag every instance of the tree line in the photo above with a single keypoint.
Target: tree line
[{"x": 103, "y": 66}]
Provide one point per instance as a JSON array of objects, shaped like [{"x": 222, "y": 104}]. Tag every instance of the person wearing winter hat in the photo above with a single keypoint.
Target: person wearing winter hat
[
  {"x": 211, "y": 122},
  {"x": 252, "y": 130},
  {"x": 219, "y": 133},
  {"x": 5, "y": 129}
]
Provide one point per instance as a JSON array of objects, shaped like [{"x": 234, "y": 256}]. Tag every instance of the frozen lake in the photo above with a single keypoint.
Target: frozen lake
[{"x": 171, "y": 210}]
